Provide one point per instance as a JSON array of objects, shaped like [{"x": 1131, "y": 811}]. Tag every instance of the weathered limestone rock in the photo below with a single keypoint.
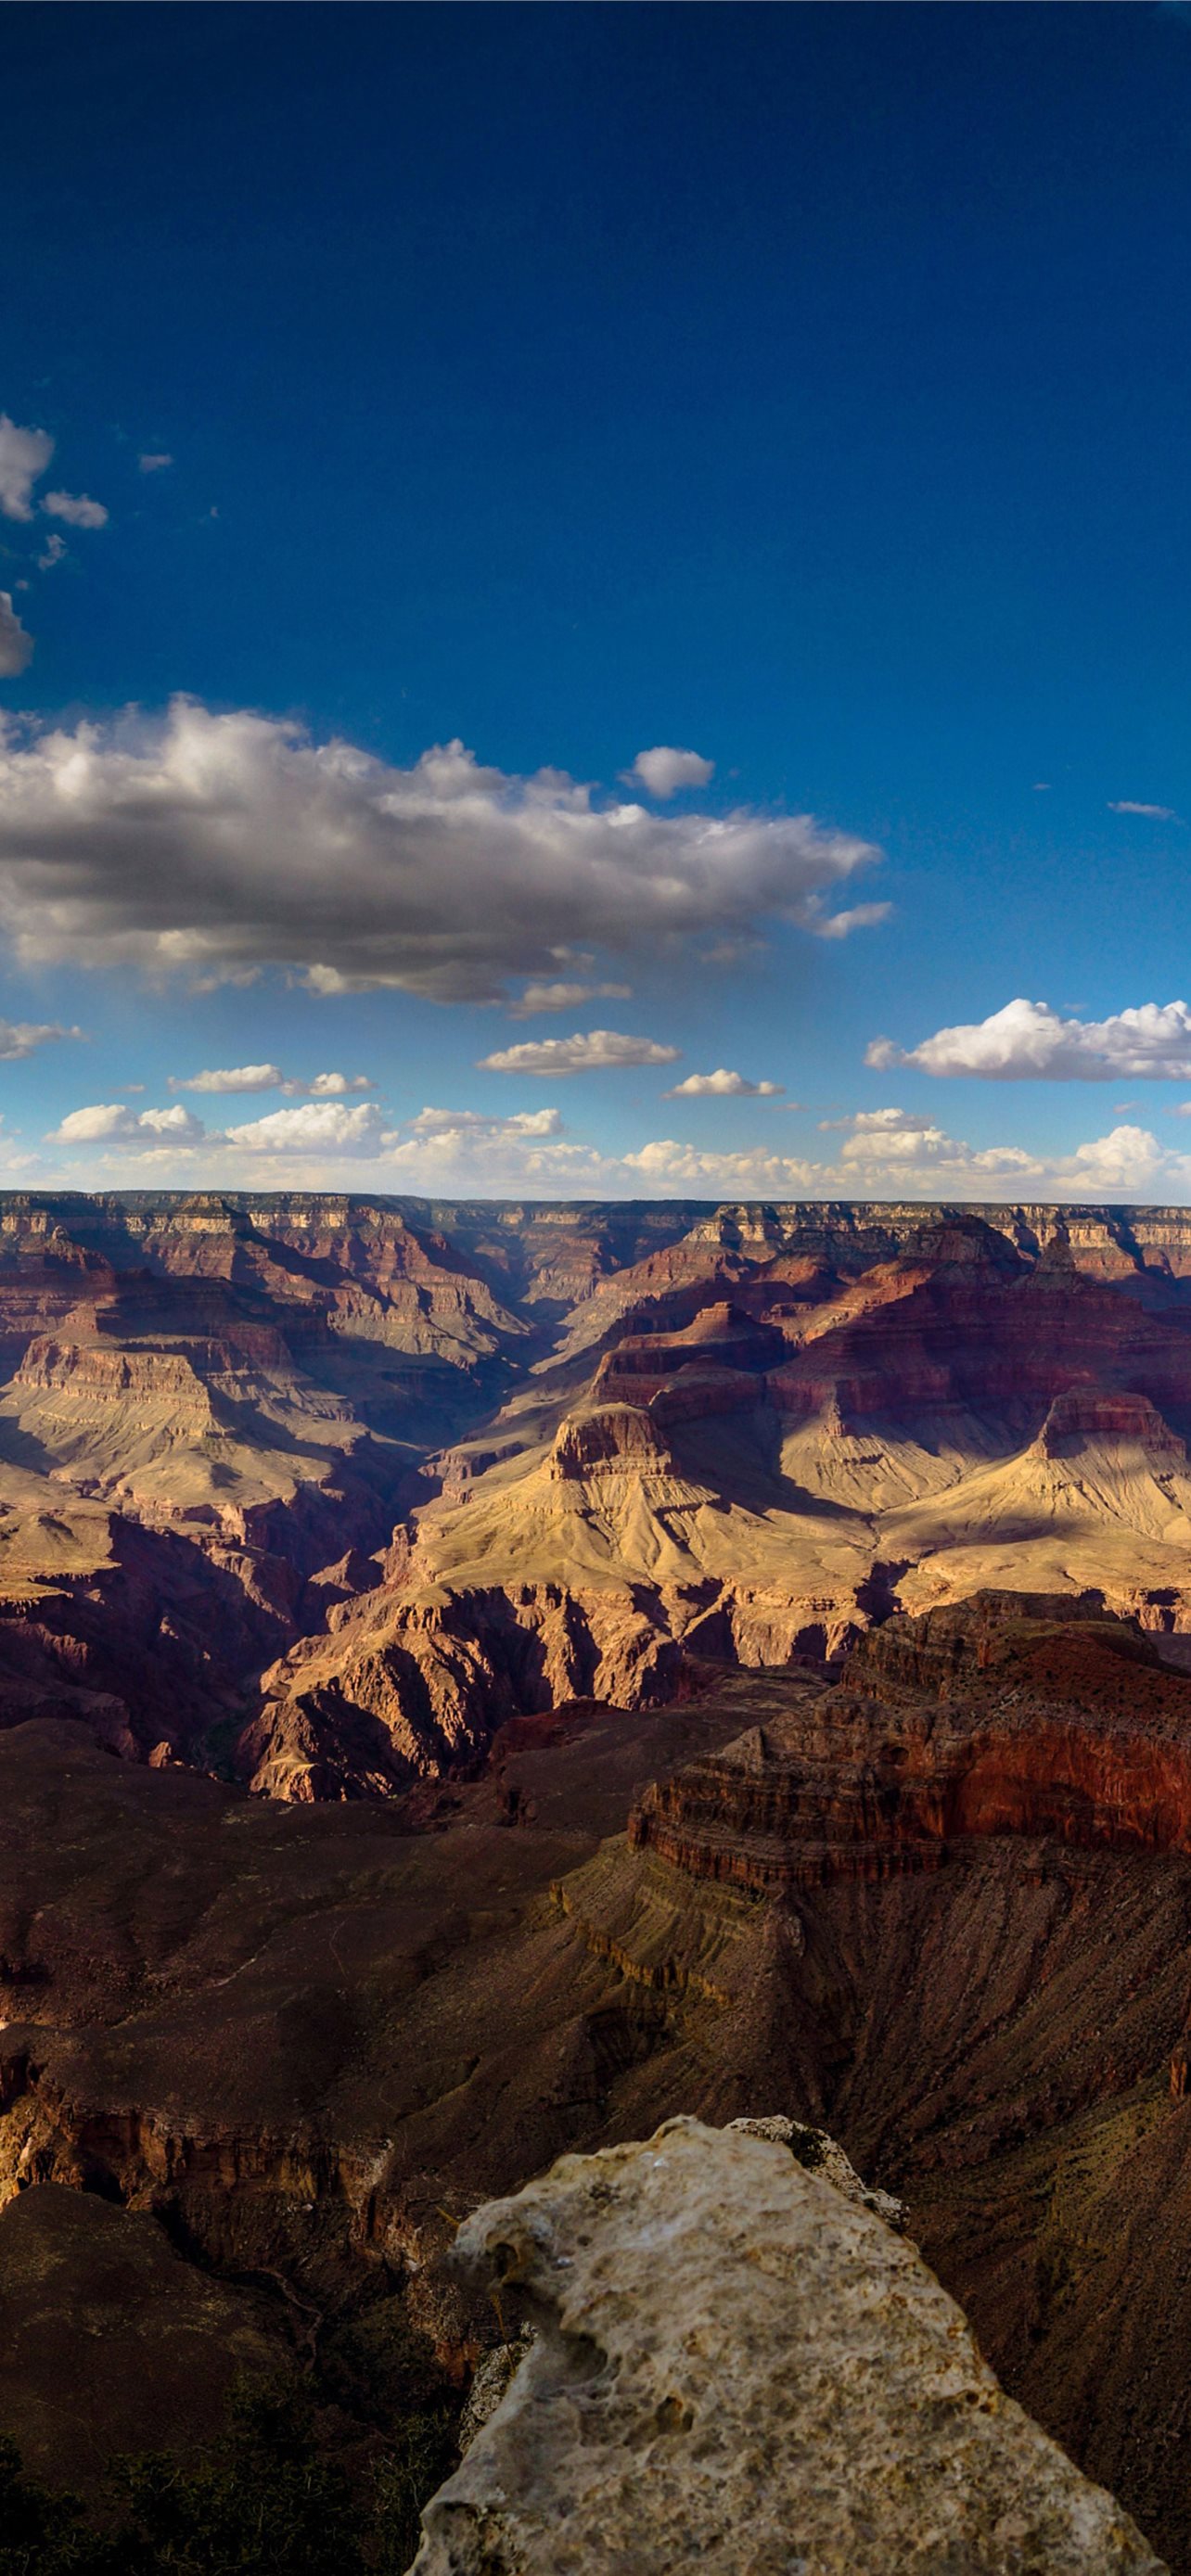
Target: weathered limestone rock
[
  {"x": 740, "y": 2368},
  {"x": 821, "y": 2154},
  {"x": 491, "y": 2379}
]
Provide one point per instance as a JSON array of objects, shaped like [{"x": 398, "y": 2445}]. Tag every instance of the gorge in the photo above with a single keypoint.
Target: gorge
[{"x": 478, "y": 1683}]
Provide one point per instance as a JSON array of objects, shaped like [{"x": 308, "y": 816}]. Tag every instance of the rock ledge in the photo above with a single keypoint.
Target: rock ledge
[{"x": 737, "y": 2366}]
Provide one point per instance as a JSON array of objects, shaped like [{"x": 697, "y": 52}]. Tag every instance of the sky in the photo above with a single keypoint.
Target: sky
[{"x": 596, "y": 601}]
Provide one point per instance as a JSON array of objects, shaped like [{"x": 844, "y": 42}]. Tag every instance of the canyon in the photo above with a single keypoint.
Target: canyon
[
  {"x": 477, "y": 1682},
  {"x": 319, "y": 1492}
]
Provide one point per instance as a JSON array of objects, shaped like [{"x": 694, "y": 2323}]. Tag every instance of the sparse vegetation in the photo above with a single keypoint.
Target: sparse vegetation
[{"x": 269, "y": 2500}]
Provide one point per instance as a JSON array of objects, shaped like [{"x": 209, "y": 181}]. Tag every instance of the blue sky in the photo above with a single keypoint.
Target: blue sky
[{"x": 807, "y": 390}]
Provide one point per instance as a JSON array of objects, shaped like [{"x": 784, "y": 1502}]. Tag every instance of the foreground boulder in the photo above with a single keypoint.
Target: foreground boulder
[{"x": 737, "y": 2366}]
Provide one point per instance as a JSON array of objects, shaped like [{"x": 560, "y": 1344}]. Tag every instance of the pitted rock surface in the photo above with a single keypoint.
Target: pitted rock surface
[
  {"x": 822, "y": 2154},
  {"x": 740, "y": 2368}
]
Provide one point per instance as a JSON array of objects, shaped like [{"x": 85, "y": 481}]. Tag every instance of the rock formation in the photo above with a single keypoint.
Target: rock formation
[
  {"x": 560, "y": 1450},
  {"x": 750, "y": 1445},
  {"x": 307, "y": 2039},
  {"x": 736, "y": 2366}
]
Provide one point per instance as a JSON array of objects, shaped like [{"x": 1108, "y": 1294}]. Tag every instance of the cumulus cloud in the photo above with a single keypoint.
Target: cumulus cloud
[
  {"x": 234, "y": 1077},
  {"x": 1156, "y": 813},
  {"x": 154, "y": 461},
  {"x": 1028, "y": 1041},
  {"x": 889, "y": 1153},
  {"x": 893, "y": 1154},
  {"x": 219, "y": 844},
  {"x": 111, "y": 1122},
  {"x": 723, "y": 1085},
  {"x": 899, "y": 1153},
  {"x": 18, "y": 1038},
  {"x": 318, "y": 1127},
  {"x": 474, "y": 1122},
  {"x": 666, "y": 1169},
  {"x": 54, "y": 550},
  {"x": 269, "y": 1077},
  {"x": 16, "y": 643},
  {"x": 594, "y": 1052},
  {"x": 564, "y": 997},
  {"x": 24, "y": 456},
  {"x": 78, "y": 510},
  {"x": 664, "y": 770}
]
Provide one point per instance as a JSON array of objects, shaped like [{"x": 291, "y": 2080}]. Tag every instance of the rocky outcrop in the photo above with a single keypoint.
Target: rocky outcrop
[
  {"x": 310, "y": 2038},
  {"x": 413, "y": 1683},
  {"x": 734, "y": 2362},
  {"x": 986, "y": 1719},
  {"x": 416, "y": 1687},
  {"x": 823, "y": 2155},
  {"x": 609, "y": 1439}
]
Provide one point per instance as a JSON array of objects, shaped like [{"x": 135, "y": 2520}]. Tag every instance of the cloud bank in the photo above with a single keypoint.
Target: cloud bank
[
  {"x": 886, "y": 1153},
  {"x": 218, "y": 845},
  {"x": 1027, "y": 1041}
]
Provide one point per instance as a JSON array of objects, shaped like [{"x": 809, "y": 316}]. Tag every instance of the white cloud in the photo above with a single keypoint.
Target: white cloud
[
  {"x": 722, "y": 1085},
  {"x": 55, "y": 549},
  {"x": 663, "y": 770},
  {"x": 840, "y": 925},
  {"x": 269, "y": 1077},
  {"x": 236, "y": 1077},
  {"x": 596, "y": 1051},
  {"x": 474, "y": 1122},
  {"x": 889, "y": 1153},
  {"x": 24, "y": 455},
  {"x": 154, "y": 462},
  {"x": 18, "y": 1038},
  {"x": 16, "y": 643},
  {"x": 564, "y": 997},
  {"x": 893, "y": 1155},
  {"x": 111, "y": 1123},
  {"x": 216, "y": 845},
  {"x": 76, "y": 508},
  {"x": 318, "y": 1127},
  {"x": 1028, "y": 1041},
  {"x": 667, "y": 1169},
  {"x": 897, "y": 1153},
  {"x": 1156, "y": 813}
]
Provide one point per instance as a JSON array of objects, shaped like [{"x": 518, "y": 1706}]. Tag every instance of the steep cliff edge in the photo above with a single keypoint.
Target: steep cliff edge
[
  {"x": 310, "y": 2037},
  {"x": 789, "y": 2376}
]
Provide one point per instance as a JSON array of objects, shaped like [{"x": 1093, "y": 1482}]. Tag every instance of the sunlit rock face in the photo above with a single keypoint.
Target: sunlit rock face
[
  {"x": 750, "y": 1445},
  {"x": 562, "y": 1450}
]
